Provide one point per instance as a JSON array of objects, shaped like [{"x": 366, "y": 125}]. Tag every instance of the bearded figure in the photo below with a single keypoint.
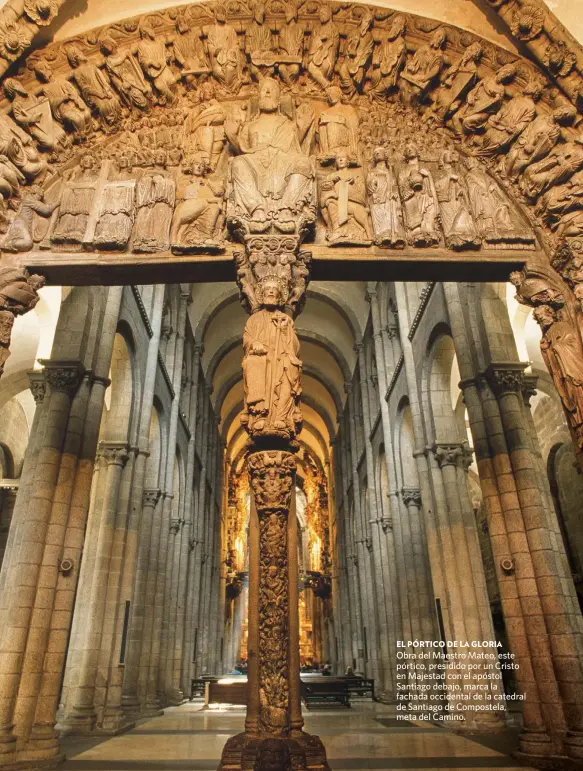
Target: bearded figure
[
  {"x": 271, "y": 179},
  {"x": 271, "y": 367}
]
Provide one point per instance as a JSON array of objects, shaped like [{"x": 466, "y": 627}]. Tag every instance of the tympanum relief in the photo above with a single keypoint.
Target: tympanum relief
[{"x": 265, "y": 112}]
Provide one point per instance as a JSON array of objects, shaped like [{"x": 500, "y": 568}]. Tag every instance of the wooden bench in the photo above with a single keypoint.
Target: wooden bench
[
  {"x": 326, "y": 691},
  {"x": 360, "y": 686}
]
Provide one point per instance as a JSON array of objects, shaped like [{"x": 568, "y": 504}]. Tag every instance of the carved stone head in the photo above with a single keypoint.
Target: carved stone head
[
  {"x": 439, "y": 38},
  {"x": 42, "y": 70},
  {"x": 13, "y": 87},
  {"x": 325, "y": 13},
  {"x": 269, "y": 94},
  {"x": 333, "y": 95},
  {"x": 379, "y": 154},
  {"x": 74, "y": 55},
  {"x": 271, "y": 293},
  {"x": 273, "y": 755},
  {"x": 506, "y": 73},
  {"x": 398, "y": 27},
  {"x": 545, "y": 316},
  {"x": 108, "y": 46},
  {"x": 564, "y": 115}
]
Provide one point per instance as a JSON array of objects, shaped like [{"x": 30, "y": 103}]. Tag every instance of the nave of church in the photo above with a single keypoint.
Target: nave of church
[{"x": 128, "y": 401}]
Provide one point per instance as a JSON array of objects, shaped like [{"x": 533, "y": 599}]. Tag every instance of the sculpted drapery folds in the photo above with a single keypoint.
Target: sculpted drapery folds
[
  {"x": 388, "y": 60},
  {"x": 271, "y": 368},
  {"x": 385, "y": 203},
  {"x": 419, "y": 201},
  {"x": 271, "y": 179}
]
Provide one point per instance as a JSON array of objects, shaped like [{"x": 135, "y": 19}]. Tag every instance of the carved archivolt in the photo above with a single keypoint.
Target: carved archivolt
[{"x": 389, "y": 130}]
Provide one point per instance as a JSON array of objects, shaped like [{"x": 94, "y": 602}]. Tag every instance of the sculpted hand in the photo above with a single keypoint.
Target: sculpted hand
[{"x": 258, "y": 349}]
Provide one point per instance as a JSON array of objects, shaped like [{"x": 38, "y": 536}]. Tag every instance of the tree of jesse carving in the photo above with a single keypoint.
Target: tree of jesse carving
[{"x": 272, "y": 476}]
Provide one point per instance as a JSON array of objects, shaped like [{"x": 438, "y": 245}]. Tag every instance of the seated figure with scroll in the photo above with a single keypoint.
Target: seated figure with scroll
[
  {"x": 271, "y": 366},
  {"x": 271, "y": 180}
]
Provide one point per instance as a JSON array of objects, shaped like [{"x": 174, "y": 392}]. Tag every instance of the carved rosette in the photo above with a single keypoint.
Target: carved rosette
[{"x": 272, "y": 477}]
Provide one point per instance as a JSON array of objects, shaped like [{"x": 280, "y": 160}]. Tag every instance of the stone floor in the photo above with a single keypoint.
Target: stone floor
[{"x": 364, "y": 737}]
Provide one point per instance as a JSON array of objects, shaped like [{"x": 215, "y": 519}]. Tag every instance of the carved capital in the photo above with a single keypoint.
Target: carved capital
[
  {"x": 447, "y": 454},
  {"x": 411, "y": 496},
  {"x": 64, "y": 376},
  {"x": 272, "y": 477},
  {"x": 150, "y": 497},
  {"x": 505, "y": 378},
  {"x": 36, "y": 380},
  {"x": 387, "y": 524},
  {"x": 114, "y": 453},
  {"x": 175, "y": 524}
]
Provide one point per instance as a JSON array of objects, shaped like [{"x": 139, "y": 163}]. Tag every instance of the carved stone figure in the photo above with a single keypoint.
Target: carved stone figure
[
  {"x": 558, "y": 167},
  {"x": 19, "y": 290},
  {"x": 76, "y": 203},
  {"x": 323, "y": 49},
  {"x": 496, "y": 221},
  {"x": 385, "y": 203},
  {"x": 155, "y": 197},
  {"x": 10, "y": 178},
  {"x": 21, "y": 235},
  {"x": 388, "y": 60},
  {"x": 537, "y": 140},
  {"x": 534, "y": 289},
  {"x": 205, "y": 126},
  {"x": 223, "y": 50},
  {"x": 561, "y": 200},
  {"x": 271, "y": 367},
  {"x": 116, "y": 212},
  {"x": 563, "y": 354},
  {"x": 337, "y": 128},
  {"x": 300, "y": 276},
  {"x": 457, "y": 83},
  {"x": 126, "y": 75},
  {"x": 344, "y": 206},
  {"x": 66, "y": 105},
  {"x": 273, "y": 755},
  {"x": 357, "y": 57},
  {"x": 18, "y": 295},
  {"x": 419, "y": 201},
  {"x": 511, "y": 120},
  {"x": 454, "y": 205},
  {"x": 291, "y": 45},
  {"x": 33, "y": 115},
  {"x": 198, "y": 217},
  {"x": 94, "y": 88},
  {"x": 189, "y": 52},
  {"x": 20, "y": 150},
  {"x": 153, "y": 58},
  {"x": 484, "y": 100},
  {"x": 271, "y": 179},
  {"x": 422, "y": 70},
  {"x": 259, "y": 44}
]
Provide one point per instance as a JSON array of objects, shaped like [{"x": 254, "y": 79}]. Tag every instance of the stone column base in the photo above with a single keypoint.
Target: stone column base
[
  {"x": 306, "y": 751},
  {"x": 33, "y": 765},
  {"x": 548, "y": 762}
]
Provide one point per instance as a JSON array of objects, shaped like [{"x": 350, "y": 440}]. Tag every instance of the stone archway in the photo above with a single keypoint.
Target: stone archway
[{"x": 161, "y": 148}]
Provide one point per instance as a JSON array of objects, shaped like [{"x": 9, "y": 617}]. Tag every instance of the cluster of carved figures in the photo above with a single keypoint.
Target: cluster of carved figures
[{"x": 383, "y": 127}]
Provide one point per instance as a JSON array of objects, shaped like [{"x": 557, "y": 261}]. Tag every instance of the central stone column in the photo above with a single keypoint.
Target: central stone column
[{"x": 271, "y": 207}]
